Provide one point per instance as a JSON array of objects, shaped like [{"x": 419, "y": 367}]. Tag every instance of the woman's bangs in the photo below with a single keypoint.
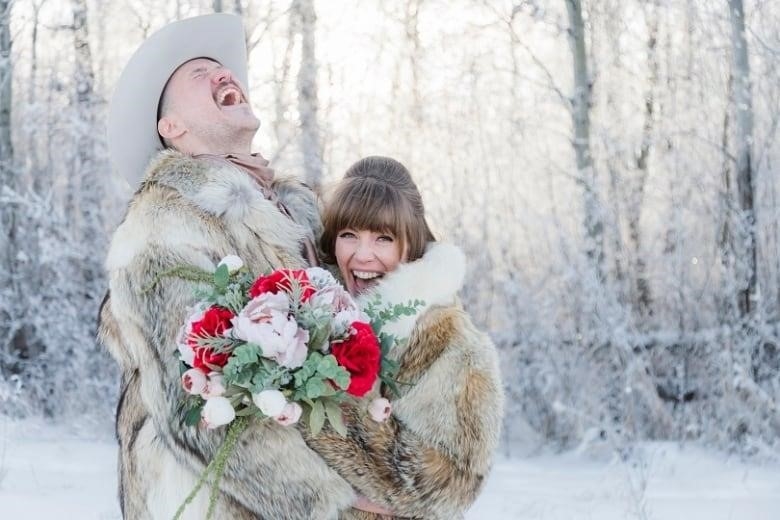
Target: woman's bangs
[{"x": 372, "y": 207}]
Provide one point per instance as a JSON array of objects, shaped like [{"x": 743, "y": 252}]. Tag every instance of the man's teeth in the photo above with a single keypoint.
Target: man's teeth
[
  {"x": 229, "y": 96},
  {"x": 364, "y": 275}
]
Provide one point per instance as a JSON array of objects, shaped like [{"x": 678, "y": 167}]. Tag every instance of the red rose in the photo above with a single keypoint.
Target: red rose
[
  {"x": 281, "y": 280},
  {"x": 215, "y": 321},
  {"x": 361, "y": 355}
]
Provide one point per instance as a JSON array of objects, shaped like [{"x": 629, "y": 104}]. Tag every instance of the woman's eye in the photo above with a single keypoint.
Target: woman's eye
[
  {"x": 346, "y": 234},
  {"x": 385, "y": 238}
]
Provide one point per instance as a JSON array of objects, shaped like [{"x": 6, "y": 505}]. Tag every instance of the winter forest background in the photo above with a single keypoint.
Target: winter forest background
[{"x": 610, "y": 167}]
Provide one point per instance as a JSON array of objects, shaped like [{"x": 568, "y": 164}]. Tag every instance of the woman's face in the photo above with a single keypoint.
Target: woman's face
[{"x": 365, "y": 256}]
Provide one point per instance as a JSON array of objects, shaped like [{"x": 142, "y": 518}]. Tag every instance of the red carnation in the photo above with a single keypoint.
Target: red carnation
[
  {"x": 215, "y": 321},
  {"x": 361, "y": 356},
  {"x": 281, "y": 280}
]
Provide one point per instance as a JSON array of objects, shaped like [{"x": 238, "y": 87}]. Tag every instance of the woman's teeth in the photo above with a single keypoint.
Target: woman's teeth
[{"x": 364, "y": 275}]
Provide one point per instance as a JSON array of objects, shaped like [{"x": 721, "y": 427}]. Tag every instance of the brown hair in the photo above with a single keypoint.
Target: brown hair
[{"x": 377, "y": 193}]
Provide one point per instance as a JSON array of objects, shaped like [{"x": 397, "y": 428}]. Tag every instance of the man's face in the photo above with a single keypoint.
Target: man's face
[{"x": 208, "y": 101}]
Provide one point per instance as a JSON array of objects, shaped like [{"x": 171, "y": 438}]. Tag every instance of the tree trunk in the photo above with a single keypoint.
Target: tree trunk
[
  {"x": 303, "y": 22},
  {"x": 743, "y": 104},
  {"x": 8, "y": 179},
  {"x": 644, "y": 299},
  {"x": 89, "y": 197},
  {"x": 580, "y": 110}
]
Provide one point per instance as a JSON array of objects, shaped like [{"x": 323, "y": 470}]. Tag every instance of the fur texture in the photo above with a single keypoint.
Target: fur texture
[
  {"x": 430, "y": 458},
  {"x": 191, "y": 212}
]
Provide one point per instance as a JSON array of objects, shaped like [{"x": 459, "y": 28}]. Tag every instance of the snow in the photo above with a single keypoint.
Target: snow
[{"x": 47, "y": 471}]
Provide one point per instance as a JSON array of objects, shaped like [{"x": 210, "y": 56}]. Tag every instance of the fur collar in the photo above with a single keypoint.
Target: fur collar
[
  {"x": 435, "y": 279},
  {"x": 213, "y": 186}
]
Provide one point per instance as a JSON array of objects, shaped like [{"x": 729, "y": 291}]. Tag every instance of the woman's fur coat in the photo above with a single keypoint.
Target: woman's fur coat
[
  {"x": 430, "y": 458},
  {"x": 193, "y": 212}
]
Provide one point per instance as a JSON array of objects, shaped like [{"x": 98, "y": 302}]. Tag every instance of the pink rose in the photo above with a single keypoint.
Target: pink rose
[
  {"x": 194, "y": 381},
  {"x": 380, "y": 409},
  {"x": 214, "y": 386},
  {"x": 290, "y": 415}
]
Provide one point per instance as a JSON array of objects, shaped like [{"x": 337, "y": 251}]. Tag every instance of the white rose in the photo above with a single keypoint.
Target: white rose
[
  {"x": 217, "y": 412},
  {"x": 270, "y": 402},
  {"x": 290, "y": 415},
  {"x": 193, "y": 381},
  {"x": 214, "y": 386},
  {"x": 380, "y": 409},
  {"x": 232, "y": 262}
]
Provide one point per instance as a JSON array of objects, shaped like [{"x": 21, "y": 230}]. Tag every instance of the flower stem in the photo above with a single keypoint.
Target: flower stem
[
  {"x": 216, "y": 466},
  {"x": 234, "y": 431}
]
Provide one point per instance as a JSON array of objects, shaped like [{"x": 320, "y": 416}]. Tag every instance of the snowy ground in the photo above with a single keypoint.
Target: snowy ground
[{"x": 50, "y": 472}]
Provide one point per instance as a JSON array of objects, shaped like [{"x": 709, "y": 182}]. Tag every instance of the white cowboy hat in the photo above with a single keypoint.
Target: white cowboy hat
[{"x": 132, "y": 114}]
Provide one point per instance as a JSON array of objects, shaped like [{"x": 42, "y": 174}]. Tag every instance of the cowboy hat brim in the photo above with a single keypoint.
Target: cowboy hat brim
[{"x": 132, "y": 113}]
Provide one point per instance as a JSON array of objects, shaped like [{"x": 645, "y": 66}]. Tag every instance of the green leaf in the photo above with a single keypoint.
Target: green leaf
[
  {"x": 192, "y": 416},
  {"x": 315, "y": 387},
  {"x": 221, "y": 277},
  {"x": 342, "y": 378},
  {"x": 328, "y": 366},
  {"x": 316, "y": 417},
  {"x": 333, "y": 411}
]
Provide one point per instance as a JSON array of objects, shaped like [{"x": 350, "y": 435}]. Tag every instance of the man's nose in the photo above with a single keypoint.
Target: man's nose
[{"x": 221, "y": 75}]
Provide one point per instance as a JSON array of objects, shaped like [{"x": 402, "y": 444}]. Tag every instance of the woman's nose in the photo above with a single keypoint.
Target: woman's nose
[{"x": 364, "y": 252}]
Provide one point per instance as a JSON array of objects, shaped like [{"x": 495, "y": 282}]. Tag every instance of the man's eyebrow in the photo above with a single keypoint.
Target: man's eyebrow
[{"x": 198, "y": 70}]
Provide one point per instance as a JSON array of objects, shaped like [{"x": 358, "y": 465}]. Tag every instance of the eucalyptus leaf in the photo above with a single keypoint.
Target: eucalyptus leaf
[
  {"x": 221, "y": 277},
  {"x": 333, "y": 411},
  {"x": 316, "y": 418}
]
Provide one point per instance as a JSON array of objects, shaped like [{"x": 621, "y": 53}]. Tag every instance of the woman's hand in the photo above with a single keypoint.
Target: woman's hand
[{"x": 365, "y": 504}]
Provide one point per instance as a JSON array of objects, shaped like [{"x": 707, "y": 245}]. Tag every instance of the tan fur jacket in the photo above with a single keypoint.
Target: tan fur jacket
[
  {"x": 430, "y": 458},
  {"x": 192, "y": 212}
]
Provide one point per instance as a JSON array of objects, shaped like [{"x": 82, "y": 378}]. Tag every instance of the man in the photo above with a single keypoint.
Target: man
[{"x": 199, "y": 200}]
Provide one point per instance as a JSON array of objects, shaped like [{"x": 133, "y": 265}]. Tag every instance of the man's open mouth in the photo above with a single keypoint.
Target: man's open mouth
[{"x": 229, "y": 95}]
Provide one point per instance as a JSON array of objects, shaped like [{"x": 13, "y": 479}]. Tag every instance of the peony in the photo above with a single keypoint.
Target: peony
[
  {"x": 260, "y": 310},
  {"x": 270, "y": 402},
  {"x": 361, "y": 355},
  {"x": 380, "y": 409},
  {"x": 290, "y": 414},
  {"x": 232, "y": 262},
  {"x": 281, "y": 280},
  {"x": 214, "y": 386},
  {"x": 194, "y": 381},
  {"x": 280, "y": 339},
  {"x": 217, "y": 412}
]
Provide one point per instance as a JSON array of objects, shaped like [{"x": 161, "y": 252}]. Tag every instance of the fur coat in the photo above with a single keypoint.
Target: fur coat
[
  {"x": 429, "y": 459},
  {"x": 192, "y": 212}
]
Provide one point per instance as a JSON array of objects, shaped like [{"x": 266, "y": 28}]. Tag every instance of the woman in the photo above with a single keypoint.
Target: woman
[{"x": 429, "y": 459}]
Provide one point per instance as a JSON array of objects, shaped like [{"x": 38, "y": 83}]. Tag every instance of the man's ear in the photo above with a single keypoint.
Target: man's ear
[{"x": 170, "y": 128}]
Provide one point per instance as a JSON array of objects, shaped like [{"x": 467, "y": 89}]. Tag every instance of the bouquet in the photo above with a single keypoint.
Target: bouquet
[{"x": 286, "y": 346}]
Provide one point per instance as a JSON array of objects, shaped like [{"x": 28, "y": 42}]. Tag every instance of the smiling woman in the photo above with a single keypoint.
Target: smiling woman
[
  {"x": 431, "y": 456},
  {"x": 374, "y": 221}
]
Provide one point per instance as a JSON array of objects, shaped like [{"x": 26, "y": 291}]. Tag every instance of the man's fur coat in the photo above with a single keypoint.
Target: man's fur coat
[
  {"x": 193, "y": 212},
  {"x": 430, "y": 458}
]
